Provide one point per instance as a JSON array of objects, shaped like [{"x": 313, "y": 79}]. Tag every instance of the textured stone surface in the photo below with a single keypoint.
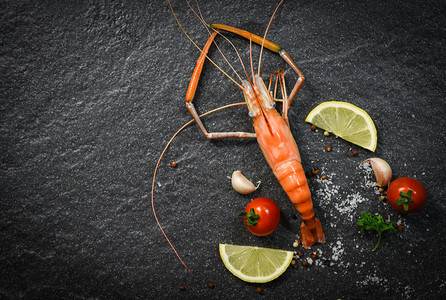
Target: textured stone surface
[{"x": 91, "y": 93}]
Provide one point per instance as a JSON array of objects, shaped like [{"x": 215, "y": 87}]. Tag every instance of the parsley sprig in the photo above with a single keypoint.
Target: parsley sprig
[{"x": 377, "y": 223}]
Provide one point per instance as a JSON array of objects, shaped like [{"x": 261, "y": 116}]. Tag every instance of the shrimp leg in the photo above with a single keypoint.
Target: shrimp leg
[
  {"x": 275, "y": 48},
  {"x": 191, "y": 93}
]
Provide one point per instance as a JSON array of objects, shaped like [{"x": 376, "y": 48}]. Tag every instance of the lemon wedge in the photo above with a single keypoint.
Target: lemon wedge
[
  {"x": 346, "y": 121},
  {"x": 255, "y": 264}
]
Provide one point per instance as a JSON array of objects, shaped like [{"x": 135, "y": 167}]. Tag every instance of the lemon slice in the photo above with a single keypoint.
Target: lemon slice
[
  {"x": 255, "y": 264},
  {"x": 346, "y": 121}
]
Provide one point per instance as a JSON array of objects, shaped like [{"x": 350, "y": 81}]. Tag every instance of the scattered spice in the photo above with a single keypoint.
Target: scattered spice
[
  {"x": 173, "y": 164},
  {"x": 353, "y": 153},
  {"x": 313, "y": 127},
  {"x": 328, "y": 148},
  {"x": 182, "y": 288},
  {"x": 300, "y": 253},
  {"x": 211, "y": 285},
  {"x": 260, "y": 291},
  {"x": 324, "y": 177},
  {"x": 314, "y": 255},
  {"x": 305, "y": 263},
  {"x": 312, "y": 172},
  {"x": 294, "y": 266},
  {"x": 326, "y": 133},
  {"x": 400, "y": 227}
]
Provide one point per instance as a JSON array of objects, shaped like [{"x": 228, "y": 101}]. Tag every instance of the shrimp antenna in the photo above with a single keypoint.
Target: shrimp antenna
[
  {"x": 201, "y": 18},
  {"x": 156, "y": 170},
  {"x": 266, "y": 31},
  {"x": 201, "y": 50}
]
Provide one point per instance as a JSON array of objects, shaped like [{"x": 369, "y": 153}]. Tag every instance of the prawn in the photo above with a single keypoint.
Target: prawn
[{"x": 271, "y": 129}]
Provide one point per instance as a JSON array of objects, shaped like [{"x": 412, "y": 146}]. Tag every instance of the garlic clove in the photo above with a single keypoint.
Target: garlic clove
[
  {"x": 383, "y": 172},
  {"x": 241, "y": 184}
]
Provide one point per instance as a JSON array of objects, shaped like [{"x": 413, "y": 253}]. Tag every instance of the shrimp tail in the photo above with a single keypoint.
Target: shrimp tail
[{"x": 311, "y": 232}]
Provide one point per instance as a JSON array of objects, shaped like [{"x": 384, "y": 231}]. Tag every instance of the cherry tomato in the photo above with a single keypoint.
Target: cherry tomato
[
  {"x": 261, "y": 216},
  {"x": 406, "y": 194}
]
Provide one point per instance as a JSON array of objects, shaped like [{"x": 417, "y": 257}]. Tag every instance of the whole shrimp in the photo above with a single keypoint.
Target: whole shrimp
[{"x": 271, "y": 129}]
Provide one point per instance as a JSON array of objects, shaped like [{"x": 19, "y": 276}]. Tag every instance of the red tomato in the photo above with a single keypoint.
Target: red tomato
[
  {"x": 261, "y": 216},
  {"x": 406, "y": 194}
]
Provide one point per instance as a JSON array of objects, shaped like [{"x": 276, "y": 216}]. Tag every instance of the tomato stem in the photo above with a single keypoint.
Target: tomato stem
[
  {"x": 251, "y": 217},
  {"x": 405, "y": 199}
]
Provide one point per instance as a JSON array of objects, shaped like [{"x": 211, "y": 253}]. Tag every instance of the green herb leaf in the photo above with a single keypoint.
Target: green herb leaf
[{"x": 370, "y": 222}]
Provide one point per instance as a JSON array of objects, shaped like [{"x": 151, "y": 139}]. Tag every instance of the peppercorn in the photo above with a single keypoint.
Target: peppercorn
[
  {"x": 182, "y": 288},
  {"x": 259, "y": 290},
  {"x": 324, "y": 177},
  {"x": 313, "y": 127},
  {"x": 211, "y": 285},
  {"x": 173, "y": 164},
  {"x": 400, "y": 227},
  {"x": 305, "y": 263},
  {"x": 300, "y": 253},
  {"x": 294, "y": 266},
  {"x": 354, "y": 153},
  {"x": 328, "y": 148},
  {"x": 315, "y": 171}
]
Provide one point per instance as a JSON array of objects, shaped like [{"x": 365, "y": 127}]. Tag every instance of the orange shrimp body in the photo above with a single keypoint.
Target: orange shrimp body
[{"x": 281, "y": 152}]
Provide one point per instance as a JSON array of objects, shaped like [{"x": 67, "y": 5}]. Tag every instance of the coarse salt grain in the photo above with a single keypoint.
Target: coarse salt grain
[
  {"x": 369, "y": 180},
  {"x": 374, "y": 280},
  {"x": 349, "y": 204},
  {"x": 338, "y": 251}
]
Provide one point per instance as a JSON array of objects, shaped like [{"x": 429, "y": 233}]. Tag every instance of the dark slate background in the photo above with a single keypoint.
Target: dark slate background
[{"x": 91, "y": 93}]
